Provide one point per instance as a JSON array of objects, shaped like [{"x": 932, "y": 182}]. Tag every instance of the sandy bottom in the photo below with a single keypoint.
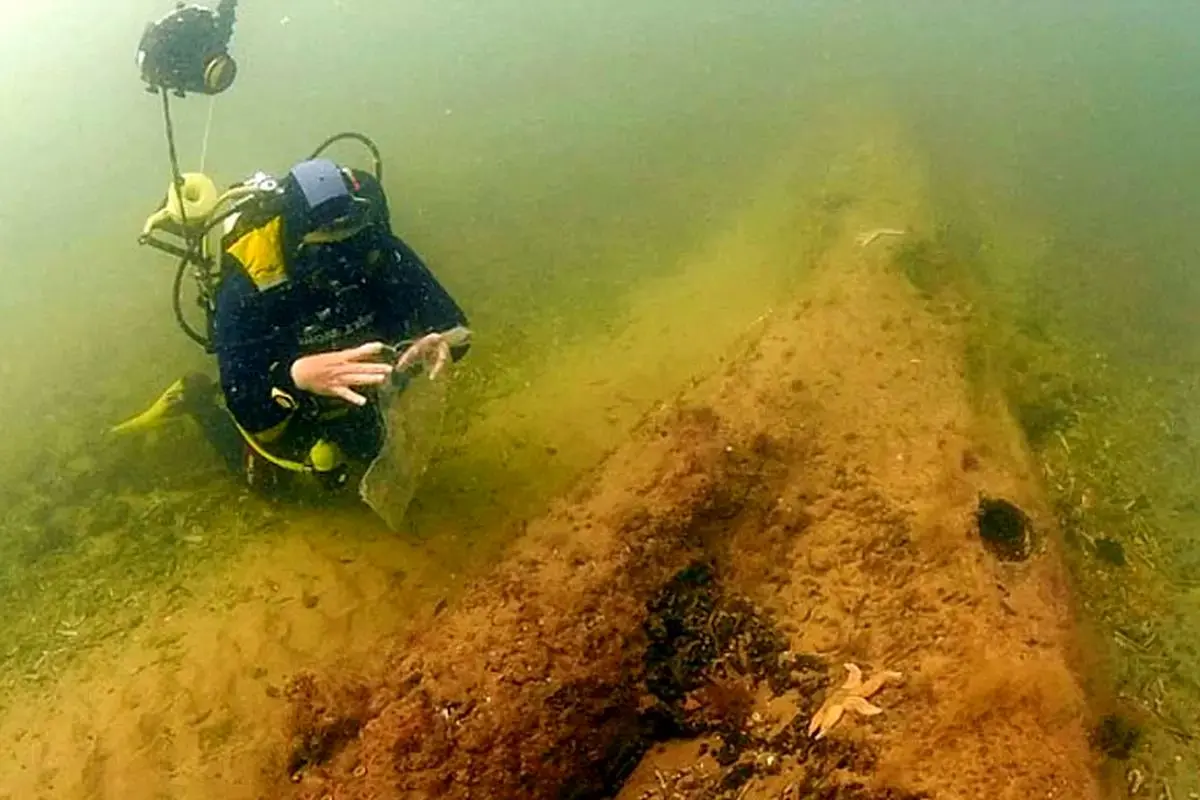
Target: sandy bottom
[{"x": 197, "y": 690}]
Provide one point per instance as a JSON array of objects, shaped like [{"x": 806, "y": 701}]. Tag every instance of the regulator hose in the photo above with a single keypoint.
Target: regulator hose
[
  {"x": 177, "y": 307},
  {"x": 362, "y": 139},
  {"x": 191, "y": 255}
]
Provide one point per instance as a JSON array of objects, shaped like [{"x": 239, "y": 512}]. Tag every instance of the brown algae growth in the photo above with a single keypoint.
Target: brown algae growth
[{"x": 671, "y": 628}]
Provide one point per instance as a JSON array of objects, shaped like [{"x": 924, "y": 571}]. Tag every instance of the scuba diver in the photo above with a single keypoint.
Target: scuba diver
[
  {"x": 314, "y": 287},
  {"x": 312, "y": 304}
]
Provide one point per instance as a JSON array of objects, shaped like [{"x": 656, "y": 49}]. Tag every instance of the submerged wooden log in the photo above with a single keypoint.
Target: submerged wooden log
[
  {"x": 533, "y": 685},
  {"x": 826, "y": 471}
]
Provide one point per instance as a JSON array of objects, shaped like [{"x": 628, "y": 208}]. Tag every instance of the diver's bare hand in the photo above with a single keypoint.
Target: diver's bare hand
[
  {"x": 339, "y": 373},
  {"x": 434, "y": 347}
]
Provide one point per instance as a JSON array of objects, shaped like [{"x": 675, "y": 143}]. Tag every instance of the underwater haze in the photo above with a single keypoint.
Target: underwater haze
[
  {"x": 615, "y": 192},
  {"x": 500, "y": 122}
]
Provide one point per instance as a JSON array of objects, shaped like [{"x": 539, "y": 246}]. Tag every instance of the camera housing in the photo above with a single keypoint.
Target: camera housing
[{"x": 188, "y": 51}]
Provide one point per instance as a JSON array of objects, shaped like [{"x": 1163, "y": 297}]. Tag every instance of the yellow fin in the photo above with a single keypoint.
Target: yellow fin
[{"x": 160, "y": 410}]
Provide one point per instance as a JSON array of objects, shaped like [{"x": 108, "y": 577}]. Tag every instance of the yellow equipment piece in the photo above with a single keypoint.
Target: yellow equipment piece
[
  {"x": 191, "y": 204},
  {"x": 219, "y": 73},
  {"x": 163, "y": 408},
  {"x": 324, "y": 456},
  {"x": 200, "y": 202}
]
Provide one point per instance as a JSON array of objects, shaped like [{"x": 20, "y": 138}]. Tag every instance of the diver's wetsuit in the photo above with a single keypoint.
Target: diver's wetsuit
[{"x": 334, "y": 295}]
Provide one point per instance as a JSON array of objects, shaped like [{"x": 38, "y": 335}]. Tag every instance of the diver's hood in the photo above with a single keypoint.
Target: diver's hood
[{"x": 326, "y": 203}]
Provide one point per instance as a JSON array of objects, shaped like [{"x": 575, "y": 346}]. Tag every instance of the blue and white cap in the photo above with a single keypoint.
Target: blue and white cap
[{"x": 322, "y": 187}]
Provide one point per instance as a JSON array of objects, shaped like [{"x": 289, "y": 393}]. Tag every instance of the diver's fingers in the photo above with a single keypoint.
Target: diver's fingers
[
  {"x": 364, "y": 368},
  {"x": 367, "y": 350},
  {"x": 419, "y": 349},
  {"x": 349, "y": 395},
  {"x": 443, "y": 353},
  {"x": 363, "y": 378},
  {"x": 410, "y": 356}
]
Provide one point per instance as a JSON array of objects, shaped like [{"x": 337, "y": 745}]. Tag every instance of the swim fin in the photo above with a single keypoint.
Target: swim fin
[{"x": 170, "y": 404}]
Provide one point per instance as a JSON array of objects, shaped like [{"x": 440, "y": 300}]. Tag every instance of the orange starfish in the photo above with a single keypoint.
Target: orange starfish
[{"x": 851, "y": 696}]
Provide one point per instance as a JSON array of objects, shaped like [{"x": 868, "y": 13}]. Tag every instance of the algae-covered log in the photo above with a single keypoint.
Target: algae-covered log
[{"x": 533, "y": 685}]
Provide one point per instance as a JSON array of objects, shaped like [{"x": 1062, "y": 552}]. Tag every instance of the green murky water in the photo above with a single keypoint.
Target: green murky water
[{"x": 565, "y": 168}]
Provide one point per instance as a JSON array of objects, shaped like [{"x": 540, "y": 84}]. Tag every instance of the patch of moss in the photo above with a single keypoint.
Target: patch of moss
[
  {"x": 928, "y": 265},
  {"x": 1116, "y": 737},
  {"x": 1041, "y": 420}
]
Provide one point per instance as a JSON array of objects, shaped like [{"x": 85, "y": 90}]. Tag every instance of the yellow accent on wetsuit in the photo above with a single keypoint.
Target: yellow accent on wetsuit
[{"x": 260, "y": 252}]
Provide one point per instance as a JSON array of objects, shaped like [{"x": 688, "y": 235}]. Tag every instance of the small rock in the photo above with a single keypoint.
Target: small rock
[{"x": 1110, "y": 551}]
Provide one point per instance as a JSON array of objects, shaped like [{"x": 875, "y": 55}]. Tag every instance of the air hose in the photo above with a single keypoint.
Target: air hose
[{"x": 360, "y": 138}]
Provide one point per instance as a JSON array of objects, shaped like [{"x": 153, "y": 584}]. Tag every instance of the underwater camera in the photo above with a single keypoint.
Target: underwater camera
[{"x": 188, "y": 50}]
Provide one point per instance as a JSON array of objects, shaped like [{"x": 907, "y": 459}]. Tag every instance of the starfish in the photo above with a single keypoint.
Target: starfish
[{"x": 851, "y": 696}]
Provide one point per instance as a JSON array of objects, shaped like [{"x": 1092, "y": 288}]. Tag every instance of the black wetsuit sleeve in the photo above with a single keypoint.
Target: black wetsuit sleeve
[
  {"x": 252, "y": 354},
  {"x": 413, "y": 301}
]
